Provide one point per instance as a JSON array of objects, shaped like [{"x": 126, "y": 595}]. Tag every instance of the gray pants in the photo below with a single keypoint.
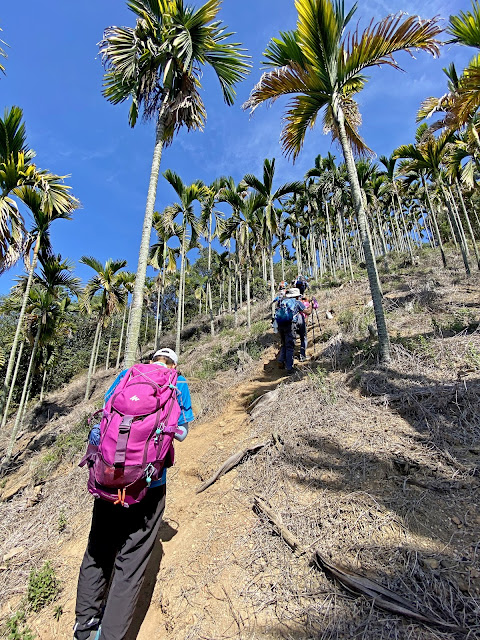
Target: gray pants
[{"x": 119, "y": 547}]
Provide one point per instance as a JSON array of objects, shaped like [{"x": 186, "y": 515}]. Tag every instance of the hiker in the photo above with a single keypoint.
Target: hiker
[
  {"x": 121, "y": 539},
  {"x": 301, "y": 326},
  {"x": 301, "y": 284},
  {"x": 287, "y": 309}
]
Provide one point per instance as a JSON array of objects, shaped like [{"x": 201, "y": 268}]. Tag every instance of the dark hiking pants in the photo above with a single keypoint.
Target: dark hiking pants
[
  {"x": 287, "y": 336},
  {"x": 120, "y": 543},
  {"x": 302, "y": 332}
]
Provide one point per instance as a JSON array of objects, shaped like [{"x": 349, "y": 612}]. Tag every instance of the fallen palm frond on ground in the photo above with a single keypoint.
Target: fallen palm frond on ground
[{"x": 351, "y": 580}]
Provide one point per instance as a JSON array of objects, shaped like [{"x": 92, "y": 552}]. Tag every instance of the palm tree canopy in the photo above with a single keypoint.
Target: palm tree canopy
[
  {"x": 161, "y": 58},
  {"x": 320, "y": 65},
  {"x": 108, "y": 282},
  {"x": 465, "y": 28},
  {"x": 44, "y": 193}
]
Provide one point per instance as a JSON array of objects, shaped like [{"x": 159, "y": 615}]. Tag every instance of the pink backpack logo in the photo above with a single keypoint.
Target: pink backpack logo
[{"x": 136, "y": 435}]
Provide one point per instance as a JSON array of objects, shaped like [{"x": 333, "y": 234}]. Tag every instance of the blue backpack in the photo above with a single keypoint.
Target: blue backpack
[{"x": 284, "y": 311}]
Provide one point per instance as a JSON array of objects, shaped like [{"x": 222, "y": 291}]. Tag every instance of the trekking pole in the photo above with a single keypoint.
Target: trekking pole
[{"x": 314, "y": 345}]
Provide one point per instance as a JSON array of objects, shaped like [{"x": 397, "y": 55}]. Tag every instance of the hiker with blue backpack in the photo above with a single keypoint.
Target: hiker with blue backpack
[
  {"x": 286, "y": 313},
  {"x": 146, "y": 408},
  {"x": 301, "y": 284}
]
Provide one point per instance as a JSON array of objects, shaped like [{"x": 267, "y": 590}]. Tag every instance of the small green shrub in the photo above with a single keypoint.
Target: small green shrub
[
  {"x": 43, "y": 587},
  {"x": 461, "y": 320},
  {"x": 319, "y": 380},
  {"x": 17, "y": 629},
  {"x": 346, "y": 320},
  {"x": 58, "y": 613},
  {"x": 254, "y": 350},
  {"x": 62, "y": 521},
  {"x": 260, "y": 328},
  {"x": 228, "y": 322},
  {"x": 472, "y": 357},
  {"x": 417, "y": 345}
]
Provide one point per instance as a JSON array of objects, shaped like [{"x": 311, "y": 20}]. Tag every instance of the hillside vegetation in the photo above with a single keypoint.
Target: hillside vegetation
[{"x": 374, "y": 466}]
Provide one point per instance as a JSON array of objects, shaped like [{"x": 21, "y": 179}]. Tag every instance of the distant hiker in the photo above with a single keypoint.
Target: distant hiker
[
  {"x": 282, "y": 285},
  {"x": 301, "y": 326},
  {"x": 286, "y": 313},
  {"x": 301, "y": 284},
  {"x": 121, "y": 539}
]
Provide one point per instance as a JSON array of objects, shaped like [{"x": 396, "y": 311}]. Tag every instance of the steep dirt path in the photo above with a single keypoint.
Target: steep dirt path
[
  {"x": 197, "y": 525},
  {"x": 189, "y": 558}
]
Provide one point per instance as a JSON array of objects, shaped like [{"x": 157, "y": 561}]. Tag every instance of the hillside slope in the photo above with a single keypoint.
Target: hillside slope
[{"x": 376, "y": 467}]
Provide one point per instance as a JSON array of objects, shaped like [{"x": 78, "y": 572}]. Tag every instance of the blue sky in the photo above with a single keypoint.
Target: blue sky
[{"x": 54, "y": 74}]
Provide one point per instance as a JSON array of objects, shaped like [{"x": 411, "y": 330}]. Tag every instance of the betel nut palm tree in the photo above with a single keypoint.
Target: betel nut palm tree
[
  {"x": 270, "y": 218},
  {"x": 46, "y": 197},
  {"x": 158, "y": 65},
  {"x": 47, "y": 301},
  {"x": 187, "y": 195},
  {"x": 323, "y": 68},
  {"x": 110, "y": 284}
]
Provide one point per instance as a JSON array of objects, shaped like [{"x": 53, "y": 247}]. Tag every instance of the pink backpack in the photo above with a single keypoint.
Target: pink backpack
[{"x": 136, "y": 435}]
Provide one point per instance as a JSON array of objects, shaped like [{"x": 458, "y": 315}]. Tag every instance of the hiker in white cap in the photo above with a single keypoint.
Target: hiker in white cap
[
  {"x": 121, "y": 540},
  {"x": 286, "y": 312}
]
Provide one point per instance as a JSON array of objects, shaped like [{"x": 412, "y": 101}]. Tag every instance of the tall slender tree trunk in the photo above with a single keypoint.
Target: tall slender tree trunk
[
  {"x": 18, "y": 330},
  {"x": 92, "y": 358},
  {"x": 180, "y": 295},
  {"x": 146, "y": 326},
  {"x": 298, "y": 250},
  {"x": 209, "y": 285},
  {"x": 107, "y": 361},
  {"x": 25, "y": 404},
  {"x": 435, "y": 223},
  {"x": 247, "y": 293},
  {"x": 235, "y": 308},
  {"x": 157, "y": 316},
  {"x": 119, "y": 354},
  {"x": 137, "y": 301},
  {"x": 12, "y": 385},
  {"x": 42, "y": 388},
  {"x": 374, "y": 280},
  {"x": 458, "y": 219},
  {"x": 331, "y": 262},
  {"x": 272, "y": 282},
  {"x": 26, "y": 386},
  {"x": 408, "y": 240},
  {"x": 469, "y": 224},
  {"x": 99, "y": 342},
  {"x": 456, "y": 229},
  {"x": 160, "y": 326}
]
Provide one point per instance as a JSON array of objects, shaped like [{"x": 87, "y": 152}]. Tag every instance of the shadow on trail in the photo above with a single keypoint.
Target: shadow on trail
[{"x": 165, "y": 533}]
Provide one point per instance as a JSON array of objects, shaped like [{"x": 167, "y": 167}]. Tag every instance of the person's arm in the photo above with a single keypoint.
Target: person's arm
[
  {"x": 185, "y": 402},
  {"x": 109, "y": 393}
]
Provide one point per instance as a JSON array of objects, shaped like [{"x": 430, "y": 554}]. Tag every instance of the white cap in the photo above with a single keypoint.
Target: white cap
[{"x": 168, "y": 353}]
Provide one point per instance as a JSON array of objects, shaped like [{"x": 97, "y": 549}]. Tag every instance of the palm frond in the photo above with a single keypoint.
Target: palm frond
[
  {"x": 379, "y": 42},
  {"x": 465, "y": 27}
]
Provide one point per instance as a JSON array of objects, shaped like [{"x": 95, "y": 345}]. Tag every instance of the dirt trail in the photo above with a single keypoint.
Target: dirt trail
[{"x": 195, "y": 528}]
